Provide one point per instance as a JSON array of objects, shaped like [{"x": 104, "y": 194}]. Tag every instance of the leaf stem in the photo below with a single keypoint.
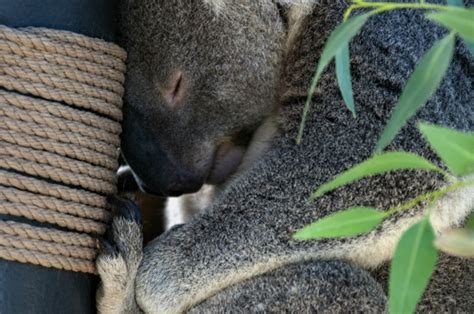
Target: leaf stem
[
  {"x": 430, "y": 207},
  {"x": 427, "y": 196},
  {"x": 396, "y": 5},
  {"x": 387, "y": 6}
]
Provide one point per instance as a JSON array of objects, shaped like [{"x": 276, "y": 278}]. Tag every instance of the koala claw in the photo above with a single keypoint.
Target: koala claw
[
  {"x": 119, "y": 257},
  {"x": 107, "y": 249},
  {"x": 125, "y": 208}
]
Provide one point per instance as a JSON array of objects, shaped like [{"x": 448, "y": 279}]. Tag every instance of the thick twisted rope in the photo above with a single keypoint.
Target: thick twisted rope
[{"x": 60, "y": 110}]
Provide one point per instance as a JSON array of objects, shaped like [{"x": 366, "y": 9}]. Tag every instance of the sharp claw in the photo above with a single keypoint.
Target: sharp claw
[
  {"x": 125, "y": 208},
  {"x": 106, "y": 248}
]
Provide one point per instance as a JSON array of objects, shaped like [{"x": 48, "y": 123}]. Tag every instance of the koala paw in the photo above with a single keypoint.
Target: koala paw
[{"x": 120, "y": 254}]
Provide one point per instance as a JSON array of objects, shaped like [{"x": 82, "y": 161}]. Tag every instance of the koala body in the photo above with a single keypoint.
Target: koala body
[{"x": 239, "y": 255}]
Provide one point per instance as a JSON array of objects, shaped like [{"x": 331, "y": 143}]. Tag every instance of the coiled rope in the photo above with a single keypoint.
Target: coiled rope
[{"x": 60, "y": 110}]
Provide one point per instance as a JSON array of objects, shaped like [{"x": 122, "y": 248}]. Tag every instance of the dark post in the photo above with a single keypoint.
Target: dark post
[{"x": 26, "y": 288}]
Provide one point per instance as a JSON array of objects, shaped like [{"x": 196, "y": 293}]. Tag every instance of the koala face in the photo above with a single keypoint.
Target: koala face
[{"x": 202, "y": 76}]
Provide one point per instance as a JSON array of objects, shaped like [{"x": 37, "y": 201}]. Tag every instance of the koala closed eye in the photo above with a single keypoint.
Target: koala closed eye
[{"x": 174, "y": 90}]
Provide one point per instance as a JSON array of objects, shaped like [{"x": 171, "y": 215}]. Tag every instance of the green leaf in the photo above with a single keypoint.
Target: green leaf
[
  {"x": 419, "y": 88},
  {"x": 470, "y": 222},
  {"x": 343, "y": 73},
  {"x": 458, "y": 20},
  {"x": 459, "y": 3},
  {"x": 350, "y": 222},
  {"x": 412, "y": 266},
  {"x": 456, "y": 3},
  {"x": 378, "y": 164},
  {"x": 458, "y": 242},
  {"x": 338, "y": 39},
  {"x": 470, "y": 46},
  {"x": 455, "y": 148}
]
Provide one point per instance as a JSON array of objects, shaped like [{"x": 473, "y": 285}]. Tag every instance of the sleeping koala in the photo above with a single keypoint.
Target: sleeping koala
[
  {"x": 201, "y": 93},
  {"x": 194, "y": 96},
  {"x": 239, "y": 255}
]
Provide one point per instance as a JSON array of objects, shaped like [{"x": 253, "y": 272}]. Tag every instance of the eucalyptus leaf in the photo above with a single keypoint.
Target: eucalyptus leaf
[
  {"x": 470, "y": 222},
  {"x": 343, "y": 73},
  {"x": 350, "y": 222},
  {"x": 455, "y": 148},
  {"x": 458, "y": 242},
  {"x": 460, "y": 3},
  {"x": 412, "y": 266},
  {"x": 338, "y": 39},
  {"x": 470, "y": 46},
  {"x": 459, "y": 20},
  {"x": 419, "y": 88},
  {"x": 376, "y": 165}
]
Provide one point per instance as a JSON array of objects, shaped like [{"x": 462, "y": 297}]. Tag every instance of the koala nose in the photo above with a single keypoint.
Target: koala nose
[
  {"x": 183, "y": 184},
  {"x": 176, "y": 186},
  {"x": 174, "y": 89}
]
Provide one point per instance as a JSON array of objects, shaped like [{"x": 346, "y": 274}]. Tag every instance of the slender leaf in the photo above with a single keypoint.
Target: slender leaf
[
  {"x": 350, "y": 222},
  {"x": 376, "y": 165},
  {"x": 459, "y": 3},
  {"x": 338, "y": 39},
  {"x": 456, "y": 3},
  {"x": 412, "y": 266},
  {"x": 458, "y": 20},
  {"x": 455, "y": 148},
  {"x": 470, "y": 46},
  {"x": 470, "y": 222},
  {"x": 343, "y": 73},
  {"x": 458, "y": 242},
  {"x": 420, "y": 86}
]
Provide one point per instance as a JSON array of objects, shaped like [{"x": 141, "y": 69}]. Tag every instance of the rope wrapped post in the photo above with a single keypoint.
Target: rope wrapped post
[{"x": 60, "y": 112}]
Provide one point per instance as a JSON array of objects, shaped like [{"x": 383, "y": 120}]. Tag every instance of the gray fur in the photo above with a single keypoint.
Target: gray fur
[
  {"x": 247, "y": 232},
  {"x": 308, "y": 287}
]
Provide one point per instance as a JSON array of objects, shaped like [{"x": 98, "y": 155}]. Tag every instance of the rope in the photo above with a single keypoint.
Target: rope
[
  {"x": 64, "y": 163},
  {"x": 60, "y": 110},
  {"x": 50, "y": 235}
]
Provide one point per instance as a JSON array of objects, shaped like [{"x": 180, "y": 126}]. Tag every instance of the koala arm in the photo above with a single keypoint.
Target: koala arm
[{"x": 320, "y": 286}]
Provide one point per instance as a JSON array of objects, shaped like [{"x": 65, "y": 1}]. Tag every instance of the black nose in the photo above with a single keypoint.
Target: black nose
[
  {"x": 155, "y": 172},
  {"x": 177, "y": 187}
]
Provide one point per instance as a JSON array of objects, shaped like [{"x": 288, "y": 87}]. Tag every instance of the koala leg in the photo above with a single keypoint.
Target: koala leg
[
  {"x": 119, "y": 259},
  {"x": 310, "y": 287}
]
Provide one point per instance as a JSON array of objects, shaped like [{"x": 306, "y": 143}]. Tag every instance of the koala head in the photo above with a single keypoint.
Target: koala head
[{"x": 202, "y": 76}]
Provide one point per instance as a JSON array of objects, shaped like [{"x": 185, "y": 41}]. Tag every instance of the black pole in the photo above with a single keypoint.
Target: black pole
[{"x": 27, "y": 288}]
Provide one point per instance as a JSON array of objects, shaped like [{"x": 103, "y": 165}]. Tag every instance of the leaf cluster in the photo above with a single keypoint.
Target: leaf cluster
[{"x": 416, "y": 252}]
